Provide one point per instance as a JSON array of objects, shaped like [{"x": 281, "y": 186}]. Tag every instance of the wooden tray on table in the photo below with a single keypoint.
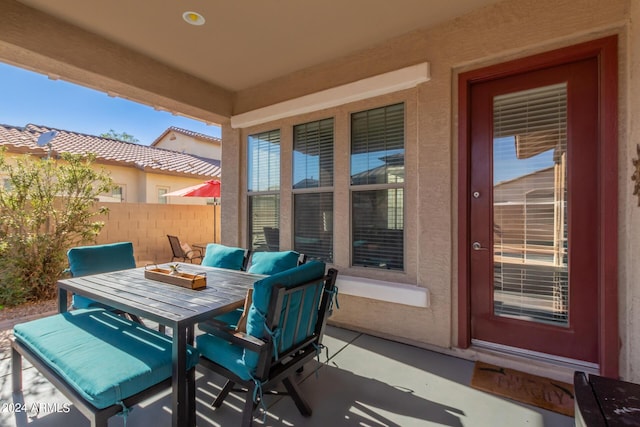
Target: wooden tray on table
[{"x": 185, "y": 280}]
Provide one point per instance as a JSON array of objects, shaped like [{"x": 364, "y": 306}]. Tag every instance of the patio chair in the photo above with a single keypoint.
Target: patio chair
[
  {"x": 86, "y": 260},
  {"x": 182, "y": 251},
  {"x": 272, "y": 238},
  {"x": 222, "y": 256},
  {"x": 284, "y": 331},
  {"x": 267, "y": 263}
]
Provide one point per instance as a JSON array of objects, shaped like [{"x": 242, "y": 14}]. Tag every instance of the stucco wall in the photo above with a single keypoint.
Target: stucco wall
[
  {"x": 505, "y": 31},
  {"x": 189, "y": 144},
  {"x": 147, "y": 226}
]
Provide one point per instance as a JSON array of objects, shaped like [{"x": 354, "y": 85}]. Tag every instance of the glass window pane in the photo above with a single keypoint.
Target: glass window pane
[
  {"x": 264, "y": 222},
  {"x": 313, "y": 225},
  {"x": 313, "y": 154},
  {"x": 378, "y": 228},
  {"x": 377, "y": 146},
  {"x": 530, "y": 205},
  {"x": 263, "y": 157}
]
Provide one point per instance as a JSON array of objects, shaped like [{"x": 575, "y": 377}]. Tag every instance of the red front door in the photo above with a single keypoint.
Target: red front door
[{"x": 533, "y": 246}]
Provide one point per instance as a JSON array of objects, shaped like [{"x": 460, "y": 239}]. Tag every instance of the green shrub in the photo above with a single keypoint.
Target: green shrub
[{"x": 46, "y": 207}]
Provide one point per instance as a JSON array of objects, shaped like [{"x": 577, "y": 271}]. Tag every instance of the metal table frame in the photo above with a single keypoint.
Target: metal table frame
[{"x": 169, "y": 305}]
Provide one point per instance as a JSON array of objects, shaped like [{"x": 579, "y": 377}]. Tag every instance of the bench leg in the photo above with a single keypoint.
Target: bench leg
[{"x": 16, "y": 370}]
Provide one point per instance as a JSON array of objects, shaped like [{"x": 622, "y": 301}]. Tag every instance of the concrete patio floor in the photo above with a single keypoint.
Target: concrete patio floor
[{"x": 367, "y": 381}]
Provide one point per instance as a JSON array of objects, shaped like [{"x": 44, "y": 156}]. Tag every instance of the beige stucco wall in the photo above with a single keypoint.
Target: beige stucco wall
[
  {"x": 189, "y": 144},
  {"x": 507, "y": 30},
  {"x": 147, "y": 226}
]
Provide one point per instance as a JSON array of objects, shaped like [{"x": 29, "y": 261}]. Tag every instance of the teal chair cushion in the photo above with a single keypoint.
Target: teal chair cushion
[
  {"x": 103, "y": 356},
  {"x": 85, "y": 260},
  {"x": 223, "y": 257},
  {"x": 273, "y": 262},
  {"x": 244, "y": 362},
  {"x": 224, "y": 353},
  {"x": 262, "y": 297}
]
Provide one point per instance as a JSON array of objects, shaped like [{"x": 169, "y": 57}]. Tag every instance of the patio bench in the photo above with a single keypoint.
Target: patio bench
[{"x": 103, "y": 363}]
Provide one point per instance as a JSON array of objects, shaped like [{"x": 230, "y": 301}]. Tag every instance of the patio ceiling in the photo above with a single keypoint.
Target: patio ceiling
[{"x": 243, "y": 44}]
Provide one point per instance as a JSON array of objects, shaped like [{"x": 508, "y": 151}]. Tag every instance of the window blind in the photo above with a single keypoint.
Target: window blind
[
  {"x": 313, "y": 174},
  {"x": 313, "y": 225},
  {"x": 313, "y": 154},
  {"x": 530, "y": 205},
  {"x": 264, "y": 222},
  {"x": 378, "y": 228},
  {"x": 263, "y": 157},
  {"x": 377, "y": 146}
]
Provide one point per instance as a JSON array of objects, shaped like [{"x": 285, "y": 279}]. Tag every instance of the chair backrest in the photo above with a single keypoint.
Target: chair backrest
[
  {"x": 222, "y": 256},
  {"x": 84, "y": 260},
  {"x": 297, "y": 303},
  {"x": 176, "y": 248},
  {"x": 274, "y": 262},
  {"x": 272, "y": 238}
]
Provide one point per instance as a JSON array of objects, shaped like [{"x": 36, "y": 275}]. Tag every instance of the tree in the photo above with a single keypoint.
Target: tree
[
  {"x": 123, "y": 136},
  {"x": 46, "y": 207}
]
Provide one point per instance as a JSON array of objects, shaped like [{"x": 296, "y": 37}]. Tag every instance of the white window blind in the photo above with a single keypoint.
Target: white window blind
[
  {"x": 263, "y": 157},
  {"x": 263, "y": 185},
  {"x": 377, "y": 187},
  {"x": 313, "y": 154},
  {"x": 313, "y": 189},
  {"x": 530, "y": 205}
]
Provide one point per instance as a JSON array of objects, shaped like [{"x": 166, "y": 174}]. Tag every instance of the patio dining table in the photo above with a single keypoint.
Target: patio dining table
[{"x": 169, "y": 305}]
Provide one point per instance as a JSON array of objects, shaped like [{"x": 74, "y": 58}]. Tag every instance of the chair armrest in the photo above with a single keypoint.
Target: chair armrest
[{"x": 242, "y": 339}]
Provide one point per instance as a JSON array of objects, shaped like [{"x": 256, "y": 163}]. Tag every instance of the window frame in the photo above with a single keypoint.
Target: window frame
[
  {"x": 315, "y": 190},
  {"x": 256, "y": 193},
  {"x": 353, "y": 188}
]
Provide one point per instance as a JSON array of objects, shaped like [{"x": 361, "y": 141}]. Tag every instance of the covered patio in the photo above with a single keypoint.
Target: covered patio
[
  {"x": 366, "y": 381},
  {"x": 413, "y": 219}
]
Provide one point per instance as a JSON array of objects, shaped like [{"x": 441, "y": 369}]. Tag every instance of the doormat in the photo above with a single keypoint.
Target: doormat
[{"x": 531, "y": 389}]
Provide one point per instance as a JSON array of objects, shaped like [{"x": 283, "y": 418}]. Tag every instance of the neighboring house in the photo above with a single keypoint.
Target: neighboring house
[
  {"x": 186, "y": 141},
  {"x": 141, "y": 173}
]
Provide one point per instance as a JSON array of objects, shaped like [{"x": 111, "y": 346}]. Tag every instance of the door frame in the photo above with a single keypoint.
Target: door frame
[{"x": 606, "y": 52}]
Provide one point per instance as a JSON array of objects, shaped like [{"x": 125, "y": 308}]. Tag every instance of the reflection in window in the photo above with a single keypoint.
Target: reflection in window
[
  {"x": 530, "y": 205},
  {"x": 377, "y": 146},
  {"x": 378, "y": 228},
  {"x": 264, "y": 222},
  {"x": 312, "y": 188},
  {"x": 377, "y": 193},
  {"x": 314, "y": 225},
  {"x": 263, "y": 185}
]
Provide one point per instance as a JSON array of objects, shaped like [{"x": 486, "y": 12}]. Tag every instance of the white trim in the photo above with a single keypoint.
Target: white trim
[
  {"x": 381, "y": 84},
  {"x": 384, "y": 291}
]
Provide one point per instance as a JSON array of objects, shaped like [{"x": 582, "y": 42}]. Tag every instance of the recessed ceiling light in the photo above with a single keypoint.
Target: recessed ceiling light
[{"x": 193, "y": 18}]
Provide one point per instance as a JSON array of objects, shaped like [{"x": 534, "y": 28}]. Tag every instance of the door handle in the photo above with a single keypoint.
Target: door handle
[{"x": 478, "y": 247}]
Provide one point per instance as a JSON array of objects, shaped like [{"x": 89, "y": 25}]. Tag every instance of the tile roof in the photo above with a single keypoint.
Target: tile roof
[
  {"x": 109, "y": 151},
  {"x": 198, "y": 135}
]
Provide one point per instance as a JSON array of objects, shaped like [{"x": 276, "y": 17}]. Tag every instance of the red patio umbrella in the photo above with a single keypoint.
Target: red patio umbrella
[{"x": 206, "y": 189}]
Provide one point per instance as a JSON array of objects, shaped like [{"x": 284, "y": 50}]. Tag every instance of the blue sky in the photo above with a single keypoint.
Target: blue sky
[{"x": 28, "y": 97}]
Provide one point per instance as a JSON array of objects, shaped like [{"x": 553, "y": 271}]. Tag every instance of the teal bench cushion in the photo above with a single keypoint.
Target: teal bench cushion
[
  {"x": 273, "y": 262},
  {"x": 222, "y": 256},
  {"x": 85, "y": 260},
  {"x": 103, "y": 356}
]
